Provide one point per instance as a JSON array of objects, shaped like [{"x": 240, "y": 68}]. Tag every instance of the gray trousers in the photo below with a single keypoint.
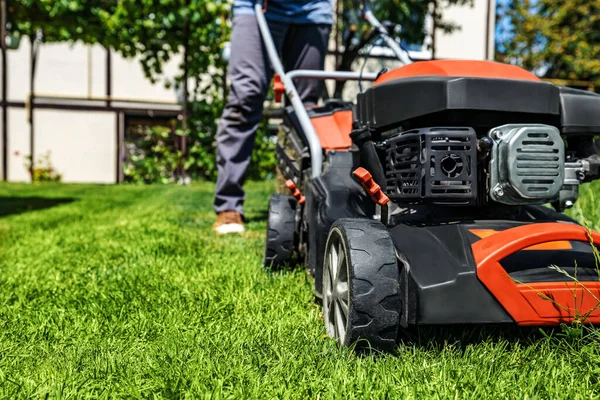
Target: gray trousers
[{"x": 250, "y": 73}]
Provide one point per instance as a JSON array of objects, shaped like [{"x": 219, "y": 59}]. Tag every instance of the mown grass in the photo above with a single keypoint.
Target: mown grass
[{"x": 123, "y": 292}]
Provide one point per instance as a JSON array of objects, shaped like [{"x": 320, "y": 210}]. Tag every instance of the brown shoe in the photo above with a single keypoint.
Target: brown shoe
[{"x": 229, "y": 222}]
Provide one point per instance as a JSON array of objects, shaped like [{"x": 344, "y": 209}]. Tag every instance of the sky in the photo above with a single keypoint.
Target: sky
[{"x": 503, "y": 26}]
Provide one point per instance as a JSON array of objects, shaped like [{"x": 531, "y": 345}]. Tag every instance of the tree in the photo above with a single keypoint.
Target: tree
[
  {"x": 155, "y": 32},
  {"x": 60, "y": 20},
  {"x": 196, "y": 30},
  {"x": 554, "y": 39},
  {"x": 151, "y": 30}
]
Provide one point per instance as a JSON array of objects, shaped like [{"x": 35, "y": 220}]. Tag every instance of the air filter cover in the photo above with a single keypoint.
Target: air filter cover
[{"x": 527, "y": 164}]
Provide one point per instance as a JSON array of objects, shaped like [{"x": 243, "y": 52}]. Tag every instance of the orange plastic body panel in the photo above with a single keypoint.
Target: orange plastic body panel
[
  {"x": 560, "y": 245},
  {"x": 525, "y": 303},
  {"x": 458, "y": 68},
  {"x": 568, "y": 299},
  {"x": 334, "y": 130}
]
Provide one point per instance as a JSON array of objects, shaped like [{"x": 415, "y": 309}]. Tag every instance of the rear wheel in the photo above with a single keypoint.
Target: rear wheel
[
  {"x": 281, "y": 231},
  {"x": 361, "y": 288}
]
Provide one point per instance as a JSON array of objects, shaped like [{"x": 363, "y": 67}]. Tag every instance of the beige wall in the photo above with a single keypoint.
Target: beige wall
[
  {"x": 62, "y": 70},
  {"x": 82, "y": 143},
  {"x": 469, "y": 42},
  {"x": 78, "y": 70},
  {"x": 130, "y": 82},
  {"x": 83, "y": 149},
  {"x": 18, "y": 144}
]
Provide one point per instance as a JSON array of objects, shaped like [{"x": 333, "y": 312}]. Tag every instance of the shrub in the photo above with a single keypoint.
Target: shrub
[
  {"x": 150, "y": 155},
  {"x": 43, "y": 170},
  {"x": 153, "y": 154}
]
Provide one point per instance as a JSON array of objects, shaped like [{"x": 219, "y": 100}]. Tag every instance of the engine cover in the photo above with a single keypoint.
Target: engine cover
[{"x": 527, "y": 164}]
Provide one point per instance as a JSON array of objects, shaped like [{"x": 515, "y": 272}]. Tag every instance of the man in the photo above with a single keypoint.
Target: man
[{"x": 300, "y": 30}]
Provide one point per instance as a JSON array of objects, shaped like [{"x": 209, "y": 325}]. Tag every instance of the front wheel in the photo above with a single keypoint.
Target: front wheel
[{"x": 361, "y": 288}]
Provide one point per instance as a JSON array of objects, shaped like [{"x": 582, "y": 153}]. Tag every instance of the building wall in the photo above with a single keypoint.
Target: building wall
[
  {"x": 471, "y": 40},
  {"x": 129, "y": 81},
  {"x": 18, "y": 144},
  {"x": 84, "y": 149},
  {"x": 82, "y": 144}
]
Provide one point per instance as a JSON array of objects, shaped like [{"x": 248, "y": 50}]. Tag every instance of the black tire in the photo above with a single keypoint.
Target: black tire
[
  {"x": 372, "y": 304},
  {"x": 281, "y": 231}
]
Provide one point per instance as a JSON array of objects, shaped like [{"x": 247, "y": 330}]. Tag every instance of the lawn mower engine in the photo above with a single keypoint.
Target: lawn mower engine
[
  {"x": 431, "y": 206},
  {"x": 469, "y": 141}
]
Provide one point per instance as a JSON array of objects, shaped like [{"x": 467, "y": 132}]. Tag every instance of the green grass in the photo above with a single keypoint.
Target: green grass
[{"x": 117, "y": 292}]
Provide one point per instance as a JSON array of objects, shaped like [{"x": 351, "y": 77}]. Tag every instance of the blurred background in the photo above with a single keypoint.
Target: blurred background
[{"x": 107, "y": 91}]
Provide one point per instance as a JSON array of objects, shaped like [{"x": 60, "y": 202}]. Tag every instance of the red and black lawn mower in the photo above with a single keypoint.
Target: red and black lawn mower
[{"x": 423, "y": 202}]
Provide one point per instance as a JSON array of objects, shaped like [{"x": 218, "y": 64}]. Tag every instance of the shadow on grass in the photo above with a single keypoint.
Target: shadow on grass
[
  {"x": 10, "y": 205},
  {"x": 258, "y": 216},
  {"x": 461, "y": 336}
]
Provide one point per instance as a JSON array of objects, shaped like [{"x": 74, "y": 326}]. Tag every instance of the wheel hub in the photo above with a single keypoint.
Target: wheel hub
[{"x": 336, "y": 300}]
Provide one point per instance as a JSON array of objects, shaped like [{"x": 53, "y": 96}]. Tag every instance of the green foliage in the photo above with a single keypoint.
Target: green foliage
[
  {"x": 154, "y": 156},
  {"x": 151, "y": 155},
  {"x": 155, "y": 31},
  {"x": 43, "y": 170},
  {"x": 555, "y": 39},
  {"x": 201, "y": 160},
  {"x": 61, "y": 20}
]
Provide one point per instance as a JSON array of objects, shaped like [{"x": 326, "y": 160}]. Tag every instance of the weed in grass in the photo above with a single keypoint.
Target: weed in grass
[{"x": 578, "y": 290}]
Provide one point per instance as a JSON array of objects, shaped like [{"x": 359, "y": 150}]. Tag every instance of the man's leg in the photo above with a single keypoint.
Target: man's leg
[
  {"x": 250, "y": 74},
  {"x": 305, "y": 47}
]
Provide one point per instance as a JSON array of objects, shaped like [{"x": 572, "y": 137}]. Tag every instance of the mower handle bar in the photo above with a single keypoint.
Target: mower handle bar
[
  {"x": 333, "y": 75},
  {"x": 389, "y": 41},
  {"x": 314, "y": 144}
]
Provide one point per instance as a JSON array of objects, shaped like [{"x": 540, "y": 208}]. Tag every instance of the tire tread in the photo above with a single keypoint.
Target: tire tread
[
  {"x": 372, "y": 254},
  {"x": 281, "y": 226}
]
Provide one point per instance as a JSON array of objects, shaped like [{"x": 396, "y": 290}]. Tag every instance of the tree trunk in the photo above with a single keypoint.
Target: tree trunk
[{"x": 350, "y": 54}]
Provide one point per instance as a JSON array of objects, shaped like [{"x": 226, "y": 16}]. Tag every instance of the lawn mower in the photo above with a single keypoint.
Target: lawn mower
[{"x": 437, "y": 197}]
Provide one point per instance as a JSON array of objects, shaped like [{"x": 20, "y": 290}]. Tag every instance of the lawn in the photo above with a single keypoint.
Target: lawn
[{"x": 124, "y": 292}]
